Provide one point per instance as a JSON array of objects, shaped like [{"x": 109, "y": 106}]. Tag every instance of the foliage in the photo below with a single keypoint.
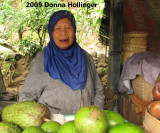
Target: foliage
[
  {"x": 88, "y": 21},
  {"x": 8, "y": 71},
  {"x": 28, "y": 47},
  {"x": 96, "y": 14},
  {"x": 105, "y": 70}
]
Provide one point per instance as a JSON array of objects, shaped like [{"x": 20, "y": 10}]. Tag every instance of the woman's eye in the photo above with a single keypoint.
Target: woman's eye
[
  {"x": 57, "y": 28},
  {"x": 68, "y": 27}
]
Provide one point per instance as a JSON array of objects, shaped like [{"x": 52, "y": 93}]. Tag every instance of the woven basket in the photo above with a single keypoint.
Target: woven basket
[
  {"x": 142, "y": 89},
  {"x": 134, "y": 49},
  {"x": 151, "y": 124},
  {"x": 138, "y": 34},
  {"x": 133, "y": 42},
  {"x": 126, "y": 54},
  {"x": 129, "y": 51}
]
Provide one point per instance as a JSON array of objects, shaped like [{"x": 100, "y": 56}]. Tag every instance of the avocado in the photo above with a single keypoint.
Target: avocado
[
  {"x": 113, "y": 118},
  {"x": 126, "y": 127},
  {"x": 25, "y": 114},
  {"x": 91, "y": 119},
  {"x": 33, "y": 129},
  {"x": 51, "y": 126},
  {"x": 9, "y": 128},
  {"x": 68, "y": 127}
]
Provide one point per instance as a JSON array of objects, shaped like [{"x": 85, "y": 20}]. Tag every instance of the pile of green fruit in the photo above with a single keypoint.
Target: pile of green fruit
[
  {"x": 28, "y": 117},
  {"x": 21, "y": 115}
]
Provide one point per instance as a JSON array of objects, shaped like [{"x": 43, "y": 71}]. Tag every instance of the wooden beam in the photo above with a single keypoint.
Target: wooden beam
[{"x": 115, "y": 42}]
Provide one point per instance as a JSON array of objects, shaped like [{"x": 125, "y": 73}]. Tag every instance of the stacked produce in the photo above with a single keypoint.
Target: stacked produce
[
  {"x": 28, "y": 117},
  {"x": 156, "y": 91},
  {"x": 68, "y": 127},
  {"x": 151, "y": 121},
  {"x": 25, "y": 114},
  {"x": 154, "y": 107},
  {"x": 33, "y": 129},
  {"x": 22, "y": 115},
  {"x": 51, "y": 126},
  {"x": 9, "y": 128}
]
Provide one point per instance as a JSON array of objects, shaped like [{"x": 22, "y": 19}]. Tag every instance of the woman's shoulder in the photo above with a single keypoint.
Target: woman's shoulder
[
  {"x": 38, "y": 59},
  {"x": 39, "y": 54},
  {"x": 37, "y": 62},
  {"x": 87, "y": 54}
]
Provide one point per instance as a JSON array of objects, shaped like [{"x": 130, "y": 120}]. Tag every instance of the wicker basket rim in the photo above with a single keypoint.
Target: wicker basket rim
[
  {"x": 151, "y": 122},
  {"x": 136, "y": 34},
  {"x": 132, "y": 51},
  {"x": 135, "y": 46},
  {"x": 136, "y": 43}
]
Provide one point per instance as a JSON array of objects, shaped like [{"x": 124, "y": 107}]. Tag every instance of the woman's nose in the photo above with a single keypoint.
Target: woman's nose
[{"x": 64, "y": 31}]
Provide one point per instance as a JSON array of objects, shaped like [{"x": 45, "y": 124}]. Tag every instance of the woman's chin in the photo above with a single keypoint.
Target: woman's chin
[{"x": 64, "y": 46}]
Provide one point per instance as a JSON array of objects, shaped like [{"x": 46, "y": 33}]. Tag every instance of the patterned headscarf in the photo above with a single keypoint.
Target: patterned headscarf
[{"x": 67, "y": 65}]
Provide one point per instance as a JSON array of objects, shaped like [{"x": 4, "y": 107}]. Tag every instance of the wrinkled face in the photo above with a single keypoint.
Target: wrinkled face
[{"x": 63, "y": 33}]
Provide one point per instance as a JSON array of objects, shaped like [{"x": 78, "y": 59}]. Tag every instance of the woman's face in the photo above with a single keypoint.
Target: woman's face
[{"x": 63, "y": 33}]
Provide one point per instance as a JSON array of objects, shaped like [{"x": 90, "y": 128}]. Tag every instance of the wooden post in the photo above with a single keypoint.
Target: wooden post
[
  {"x": 115, "y": 42},
  {"x": 2, "y": 86}
]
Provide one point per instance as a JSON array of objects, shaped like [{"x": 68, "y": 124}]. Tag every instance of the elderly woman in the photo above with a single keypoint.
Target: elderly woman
[{"x": 63, "y": 75}]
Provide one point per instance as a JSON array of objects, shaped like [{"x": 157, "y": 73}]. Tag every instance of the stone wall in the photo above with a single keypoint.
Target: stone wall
[{"x": 101, "y": 64}]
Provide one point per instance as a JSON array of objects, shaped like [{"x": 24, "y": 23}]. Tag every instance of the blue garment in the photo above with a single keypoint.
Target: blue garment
[{"x": 67, "y": 65}]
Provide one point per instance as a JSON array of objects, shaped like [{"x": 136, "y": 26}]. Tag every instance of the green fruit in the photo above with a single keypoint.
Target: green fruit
[
  {"x": 126, "y": 128},
  {"x": 9, "y": 128},
  {"x": 68, "y": 127},
  {"x": 113, "y": 118},
  {"x": 90, "y": 119},
  {"x": 25, "y": 114},
  {"x": 51, "y": 126},
  {"x": 33, "y": 129}
]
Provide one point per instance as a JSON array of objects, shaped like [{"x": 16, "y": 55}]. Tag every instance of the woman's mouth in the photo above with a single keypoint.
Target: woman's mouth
[{"x": 64, "y": 40}]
